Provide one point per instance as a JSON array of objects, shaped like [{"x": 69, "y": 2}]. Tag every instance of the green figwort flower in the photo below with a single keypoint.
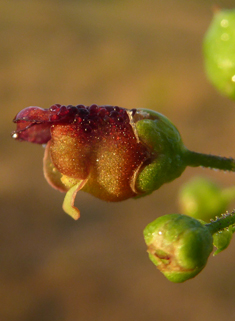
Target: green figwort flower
[{"x": 178, "y": 245}]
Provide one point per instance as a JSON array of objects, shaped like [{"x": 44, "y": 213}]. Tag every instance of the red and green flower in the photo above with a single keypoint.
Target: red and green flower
[{"x": 110, "y": 152}]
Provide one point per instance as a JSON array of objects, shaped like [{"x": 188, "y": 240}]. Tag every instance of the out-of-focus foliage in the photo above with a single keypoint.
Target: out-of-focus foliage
[
  {"x": 219, "y": 48},
  {"x": 204, "y": 199}
]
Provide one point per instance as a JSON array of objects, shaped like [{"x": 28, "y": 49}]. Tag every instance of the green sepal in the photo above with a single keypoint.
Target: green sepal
[{"x": 167, "y": 151}]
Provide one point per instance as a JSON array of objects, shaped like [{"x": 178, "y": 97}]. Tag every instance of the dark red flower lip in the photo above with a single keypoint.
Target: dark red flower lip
[{"x": 34, "y": 123}]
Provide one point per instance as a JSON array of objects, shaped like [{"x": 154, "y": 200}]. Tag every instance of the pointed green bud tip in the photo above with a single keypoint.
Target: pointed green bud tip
[
  {"x": 222, "y": 239},
  {"x": 219, "y": 47},
  {"x": 178, "y": 245},
  {"x": 202, "y": 198}
]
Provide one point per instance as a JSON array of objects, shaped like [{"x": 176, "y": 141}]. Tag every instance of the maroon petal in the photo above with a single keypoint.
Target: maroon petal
[
  {"x": 33, "y": 125},
  {"x": 39, "y": 134},
  {"x": 33, "y": 114}
]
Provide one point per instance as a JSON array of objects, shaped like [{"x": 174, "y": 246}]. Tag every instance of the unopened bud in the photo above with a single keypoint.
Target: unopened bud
[{"x": 178, "y": 245}]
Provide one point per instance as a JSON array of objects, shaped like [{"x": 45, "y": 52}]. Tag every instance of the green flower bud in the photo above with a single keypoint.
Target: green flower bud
[
  {"x": 222, "y": 239},
  {"x": 178, "y": 245},
  {"x": 201, "y": 198},
  {"x": 167, "y": 150},
  {"x": 219, "y": 48}
]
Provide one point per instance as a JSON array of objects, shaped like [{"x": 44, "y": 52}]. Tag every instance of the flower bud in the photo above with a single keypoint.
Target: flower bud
[
  {"x": 219, "y": 48},
  {"x": 203, "y": 199},
  {"x": 222, "y": 239},
  {"x": 178, "y": 245}
]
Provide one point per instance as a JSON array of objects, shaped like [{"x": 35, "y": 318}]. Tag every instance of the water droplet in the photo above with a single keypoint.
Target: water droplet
[{"x": 15, "y": 135}]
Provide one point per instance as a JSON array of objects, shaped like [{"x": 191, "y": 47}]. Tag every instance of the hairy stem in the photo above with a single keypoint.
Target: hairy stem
[
  {"x": 221, "y": 223},
  {"x": 195, "y": 159}
]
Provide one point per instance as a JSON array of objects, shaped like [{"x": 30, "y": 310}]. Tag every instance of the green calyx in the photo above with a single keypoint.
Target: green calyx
[
  {"x": 219, "y": 48},
  {"x": 168, "y": 157},
  {"x": 166, "y": 148},
  {"x": 178, "y": 245}
]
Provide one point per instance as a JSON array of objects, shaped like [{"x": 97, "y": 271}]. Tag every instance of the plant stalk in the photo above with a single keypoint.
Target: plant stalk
[
  {"x": 195, "y": 159},
  {"x": 221, "y": 223}
]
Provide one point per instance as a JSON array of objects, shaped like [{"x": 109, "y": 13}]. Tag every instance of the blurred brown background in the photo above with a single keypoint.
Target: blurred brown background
[{"x": 126, "y": 53}]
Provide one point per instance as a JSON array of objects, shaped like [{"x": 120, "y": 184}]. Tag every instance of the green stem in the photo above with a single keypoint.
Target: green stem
[
  {"x": 195, "y": 159},
  {"x": 221, "y": 223}
]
